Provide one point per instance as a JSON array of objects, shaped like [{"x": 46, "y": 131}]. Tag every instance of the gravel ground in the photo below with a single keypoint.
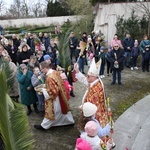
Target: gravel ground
[{"x": 63, "y": 138}]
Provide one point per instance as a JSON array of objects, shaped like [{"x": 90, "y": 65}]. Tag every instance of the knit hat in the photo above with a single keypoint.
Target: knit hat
[
  {"x": 46, "y": 57},
  {"x": 63, "y": 76},
  {"x": 136, "y": 42},
  {"x": 102, "y": 48},
  {"x": 82, "y": 144},
  {"x": 89, "y": 109},
  {"x": 109, "y": 47},
  {"x": 91, "y": 128}
]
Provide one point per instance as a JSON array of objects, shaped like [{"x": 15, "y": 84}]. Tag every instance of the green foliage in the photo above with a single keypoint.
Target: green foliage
[
  {"x": 63, "y": 47},
  {"x": 9, "y": 74},
  {"x": 93, "y": 2},
  {"x": 132, "y": 25},
  {"x": 58, "y": 9},
  {"x": 14, "y": 125},
  {"x": 80, "y": 7},
  {"x": 144, "y": 25}
]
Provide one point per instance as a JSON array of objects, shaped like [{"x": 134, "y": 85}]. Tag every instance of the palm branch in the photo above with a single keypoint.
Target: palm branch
[
  {"x": 9, "y": 74},
  {"x": 14, "y": 125},
  {"x": 63, "y": 48}
]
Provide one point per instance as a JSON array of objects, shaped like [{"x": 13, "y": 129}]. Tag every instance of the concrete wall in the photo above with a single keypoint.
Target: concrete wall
[
  {"x": 107, "y": 15},
  {"x": 38, "y": 21}
]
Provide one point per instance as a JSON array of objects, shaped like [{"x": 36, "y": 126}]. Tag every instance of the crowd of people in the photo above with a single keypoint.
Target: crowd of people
[{"x": 41, "y": 81}]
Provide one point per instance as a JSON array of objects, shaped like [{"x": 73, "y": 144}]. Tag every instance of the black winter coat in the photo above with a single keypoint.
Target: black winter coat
[
  {"x": 120, "y": 58},
  {"x": 24, "y": 55}
]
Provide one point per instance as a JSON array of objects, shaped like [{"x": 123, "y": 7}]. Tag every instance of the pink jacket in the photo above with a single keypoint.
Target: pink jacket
[{"x": 116, "y": 41}]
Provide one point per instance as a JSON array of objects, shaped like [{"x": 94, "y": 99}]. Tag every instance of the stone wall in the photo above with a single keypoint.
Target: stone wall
[{"x": 38, "y": 21}]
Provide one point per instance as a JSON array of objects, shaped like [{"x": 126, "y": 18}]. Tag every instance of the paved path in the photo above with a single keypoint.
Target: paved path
[{"x": 132, "y": 128}]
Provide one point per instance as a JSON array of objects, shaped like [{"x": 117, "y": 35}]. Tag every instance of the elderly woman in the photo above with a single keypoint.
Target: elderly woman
[{"x": 28, "y": 95}]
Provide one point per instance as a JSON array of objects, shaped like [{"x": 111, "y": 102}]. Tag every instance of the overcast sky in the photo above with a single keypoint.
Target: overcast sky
[{"x": 8, "y": 2}]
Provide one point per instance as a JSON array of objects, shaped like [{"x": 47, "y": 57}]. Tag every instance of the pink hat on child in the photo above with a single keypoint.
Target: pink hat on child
[
  {"x": 91, "y": 128},
  {"x": 63, "y": 76},
  {"x": 82, "y": 145}
]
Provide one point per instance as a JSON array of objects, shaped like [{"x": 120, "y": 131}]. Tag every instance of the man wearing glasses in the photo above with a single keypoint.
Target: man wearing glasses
[{"x": 116, "y": 59}]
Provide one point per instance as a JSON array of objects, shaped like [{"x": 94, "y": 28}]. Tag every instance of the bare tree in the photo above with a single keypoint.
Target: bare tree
[
  {"x": 17, "y": 4},
  {"x": 144, "y": 8},
  {"x": 25, "y": 9},
  {"x": 37, "y": 8},
  {"x": 12, "y": 11},
  {"x": 1, "y": 6}
]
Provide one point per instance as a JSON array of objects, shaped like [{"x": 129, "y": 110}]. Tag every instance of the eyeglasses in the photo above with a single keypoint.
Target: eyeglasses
[{"x": 116, "y": 46}]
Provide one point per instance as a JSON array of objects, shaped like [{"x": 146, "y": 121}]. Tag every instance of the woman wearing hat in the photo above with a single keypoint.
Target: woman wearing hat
[{"x": 28, "y": 95}]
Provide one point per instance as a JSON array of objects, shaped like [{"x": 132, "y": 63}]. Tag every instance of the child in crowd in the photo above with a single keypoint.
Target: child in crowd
[
  {"x": 89, "y": 111},
  {"x": 134, "y": 55},
  {"x": 102, "y": 56},
  {"x": 91, "y": 137},
  {"x": 37, "y": 81},
  {"x": 47, "y": 58},
  {"x": 82, "y": 145},
  {"x": 68, "y": 87},
  {"x": 32, "y": 63},
  {"x": 90, "y": 58},
  {"x": 39, "y": 56},
  {"x": 109, "y": 70}
]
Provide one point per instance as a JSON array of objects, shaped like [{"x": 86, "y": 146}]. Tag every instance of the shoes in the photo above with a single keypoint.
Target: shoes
[
  {"x": 113, "y": 145},
  {"x": 119, "y": 83},
  {"x": 128, "y": 66},
  {"x": 136, "y": 68},
  {"x": 112, "y": 83},
  {"x": 72, "y": 94},
  {"x": 39, "y": 127},
  {"x": 131, "y": 68},
  {"x": 29, "y": 112},
  {"x": 102, "y": 76},
  {"x": 36, "y": 111}
]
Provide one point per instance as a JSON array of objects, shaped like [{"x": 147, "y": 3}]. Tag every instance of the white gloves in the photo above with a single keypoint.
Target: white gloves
[{"x": 46, "y": 95}]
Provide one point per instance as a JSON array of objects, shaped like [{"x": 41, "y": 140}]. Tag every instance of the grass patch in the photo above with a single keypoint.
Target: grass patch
[{"x": 141, "y": 89}]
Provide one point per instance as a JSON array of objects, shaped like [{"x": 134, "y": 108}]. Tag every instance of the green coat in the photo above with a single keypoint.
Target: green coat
[{"x": 27, "y": 96}]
